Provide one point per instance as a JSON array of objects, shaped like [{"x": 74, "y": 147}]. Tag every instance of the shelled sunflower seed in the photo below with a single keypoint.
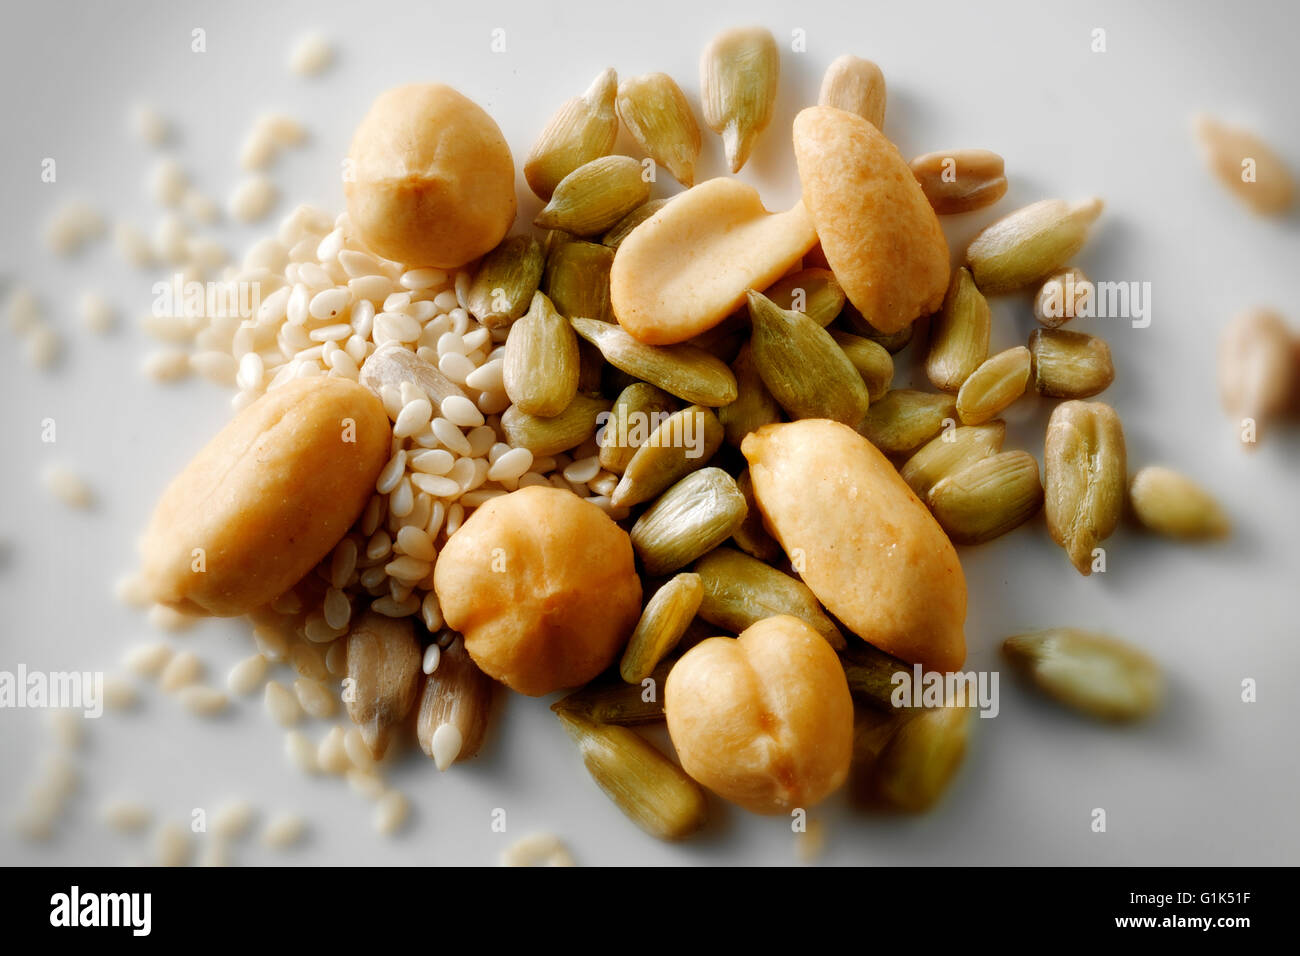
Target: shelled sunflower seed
[
  {"x": 595, "y": 196},
  {"x": 994, "y": 386},
  {"x": 655, "y": 112},
  {"x": 540, "y": 368},
  {"x": 750, "y": 536},
  {"x": 577, "y": 280},
  {"x": 871, "y": 359},
  {"x": 803, "y": 368},
  {"x": 1030, "y": 244},
  {"x": 683, "y": 442},
  {"x": 688, "y": 520},
  {"x": 1084, "y": 476},
  {"x": 650, "y": 789},
  {"x": 814, "y": 292},
  {"x": 754, "y": 406},
  {"x": 614, "y": 701},
  {"x": 623, "y": 228},
  {"x": 857, "y": 86},
  {"x": 684, "y": 371},
  {"x": 960, "y": 180},
  {"x": 1091, "y": 673},
  {"x": 738, "y": 76},
  {"x": 959, "y": 334},
  {"x": 582, "y": 129},
  {"x": 383, "y": 670},
  {"x": 950, "y": 452},
  {"x": 1172, "y": 504},
  {"x": 662, "y": 624},
  {"x": 636, "y": 413},
  {"x": 988, "y": 498},
  {"x": 503, "y": 286},
  {"x": 739, "y": 590},
  {"x": 1069, "y": 364},
  {"x": 905, "y": 419},
  {"x": 454, "y": 707},
  {"x": 550, "y": 436}
]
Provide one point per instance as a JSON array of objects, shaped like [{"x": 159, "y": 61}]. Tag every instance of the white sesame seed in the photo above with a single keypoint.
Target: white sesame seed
[
  {"x": 513, "y": 464},
  {"x": 446, "y": 744},
  {"x": 283, "y": 831},
  {"x": 147, "y": 660},
  {"x": 460, "y": 411},
  {"x": 248, "y": 675},
  {"x": 451, "y": 436},
  {"x": 456, "y": 367},
  {"x": 314, "y": 697},
  {"x": 311, "y": 55},
  {"x": 67, "y": 486},
  {"x": 127, "y": 816},
  {"x": 300, "y": 751},
  {"x": 432, "y": 655},
  {"x": 201, "y": 700},
  {"x": 391, "y": 812},
  {"x": 281, "y": 704},
  {"x": 172, "y": 845},
  {"x": 181, "y": 671}
]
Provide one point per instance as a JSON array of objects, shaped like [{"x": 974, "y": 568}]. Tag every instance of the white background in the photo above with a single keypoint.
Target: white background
[{"x": 1212, "y": 780}]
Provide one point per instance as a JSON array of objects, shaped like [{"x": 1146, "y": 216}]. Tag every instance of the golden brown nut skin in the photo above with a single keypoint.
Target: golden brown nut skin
[
  {"x": 543, "y": 586},
  {"x": 877, "y": 229},
  {"x": 866, "y": 545},
  {"x": 764, "y": 720},
  {"x": 430, "y": 181},
  {"x": 267, "y": 498}
]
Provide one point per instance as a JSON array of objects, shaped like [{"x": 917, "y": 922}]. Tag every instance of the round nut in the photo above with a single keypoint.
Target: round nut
[
  {"x": 267, "y": 498},
  {"x": 432, "y": 181},
  {"x": 543, "y": 586},
  {"x": 765, "y": 720}
]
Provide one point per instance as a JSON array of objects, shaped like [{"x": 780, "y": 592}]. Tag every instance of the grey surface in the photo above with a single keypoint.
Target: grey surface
[{"x": 1213, "y": 780}]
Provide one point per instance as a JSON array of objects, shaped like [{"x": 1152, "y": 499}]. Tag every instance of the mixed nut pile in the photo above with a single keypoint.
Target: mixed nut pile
[{"x": 681, "y": 423}]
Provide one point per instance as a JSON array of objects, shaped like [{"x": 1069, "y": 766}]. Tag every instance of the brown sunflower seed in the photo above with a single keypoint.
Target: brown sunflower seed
[
  {"x": 454, "y": 707},
  {"x": 960, "y": 180},
  {"x": 806, "y": 372},
  {"x": 857, "y": 86},
  {"x": 1174, "y": 505},
  {"x": 655, "y": 112},
  {"x": 581, "y": 130},
  {"x": 691, "y": 518},
  {"x": 950, "y": 452},
  {"x": 1247, "y": 166},
  {"x": 683, "y": 442},
  {"x": 685, "y": 371},
  {"x": 738, "y": 78},
  {"x": 506, "y": 279},
  {"x": 595, "y": 196},
  {"x": 905, "y": 419},
  {"x": 989, "y": 498},
  {"x": 1030, "y": 244},
  {"x": 1069, "y": 364},
  {"x": 1084, "y": 471},
  {"x": 382, "y": 677},
  {"x": 550, "y": 436},
  {"x": 663, "y": 622},
  {"x": 1091, "y": 673},
  {"x": 637, "y": 412},
  {"x": 650, "y": 789},
  {"x": 994, "y": 386},
  {"x": 740, "y": 590},
  {"x": 814, "y": 292},
  {"x": 959, "y": 334},
  {"x": 541, "y": 361}
]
